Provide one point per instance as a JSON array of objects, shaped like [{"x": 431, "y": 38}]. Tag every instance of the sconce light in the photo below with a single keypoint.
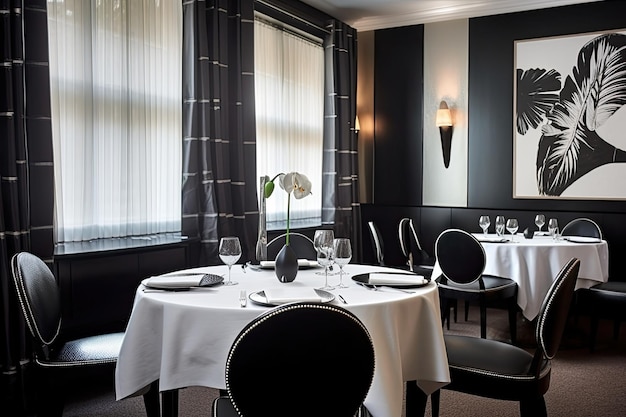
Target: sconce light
[
  {"x": 357, "y": 125},
  {"x": 444, "y": 122}
]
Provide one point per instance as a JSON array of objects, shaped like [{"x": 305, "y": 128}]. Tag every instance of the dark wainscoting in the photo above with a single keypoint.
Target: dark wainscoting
[{"x": 433, "y": 220}]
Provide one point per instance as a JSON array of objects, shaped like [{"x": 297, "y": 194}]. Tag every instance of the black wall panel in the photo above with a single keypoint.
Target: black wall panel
[
  {"x": 491, "y": 64},
  {"x": 398, "y": 92}
]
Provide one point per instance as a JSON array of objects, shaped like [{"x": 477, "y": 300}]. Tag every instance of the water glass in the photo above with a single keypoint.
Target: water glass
[
  {"x": 230, "y": 252},
  {"x": 323, "y": 242},
  {"x": 553, "y": 228},
  {"x": 540, "y": 220},
  {"x": 500, "y": 223},
  {"x": 512, "y": 225},
  {"x": 342, "y": 252},
  {"x": 484, "y": 223}
]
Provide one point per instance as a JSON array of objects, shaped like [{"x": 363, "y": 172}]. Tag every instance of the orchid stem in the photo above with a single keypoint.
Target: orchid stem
[{"x": 288, "y": 211}]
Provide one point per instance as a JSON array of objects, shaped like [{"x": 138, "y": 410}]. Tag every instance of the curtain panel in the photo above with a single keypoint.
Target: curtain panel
[
  {"x": 219, "y": 195},
  {"x": 26, "y": 168},
  {"x": 340, "y": 200}
]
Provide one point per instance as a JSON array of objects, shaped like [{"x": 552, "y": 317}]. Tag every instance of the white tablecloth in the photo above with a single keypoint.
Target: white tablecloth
[
  {"x": 183, "y": 338},
  {"x": 534, "y": 264}
]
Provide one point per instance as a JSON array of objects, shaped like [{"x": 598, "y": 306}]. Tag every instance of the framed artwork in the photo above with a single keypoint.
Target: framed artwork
[{"x": 569, "y": 117}]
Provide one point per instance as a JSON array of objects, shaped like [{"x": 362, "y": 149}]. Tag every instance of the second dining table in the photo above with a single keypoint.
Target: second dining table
[
  {"x": 182, "y": 339},
  {"x": 534, "y": 264}
]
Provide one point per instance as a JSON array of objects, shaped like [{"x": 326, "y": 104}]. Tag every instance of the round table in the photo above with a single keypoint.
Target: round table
[{"x": 183, "y": 338}]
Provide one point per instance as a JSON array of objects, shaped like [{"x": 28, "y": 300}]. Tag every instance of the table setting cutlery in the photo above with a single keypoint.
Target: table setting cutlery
[{"x": 243, "y": 298}]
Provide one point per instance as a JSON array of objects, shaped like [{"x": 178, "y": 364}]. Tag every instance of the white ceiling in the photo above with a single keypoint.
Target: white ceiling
[{"x": 380, "y": 14}]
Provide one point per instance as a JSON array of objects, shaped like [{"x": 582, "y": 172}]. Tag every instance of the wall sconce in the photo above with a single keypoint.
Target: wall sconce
[
  {"x": 357, "y": 125},
  {"x": 444, "y": 122}
]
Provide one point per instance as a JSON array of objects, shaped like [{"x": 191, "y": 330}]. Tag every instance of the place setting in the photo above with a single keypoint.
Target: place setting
[{"x": 181, "y": 281}]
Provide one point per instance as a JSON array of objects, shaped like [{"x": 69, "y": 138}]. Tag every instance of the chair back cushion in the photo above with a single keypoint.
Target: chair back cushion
[
  {"x": 38, "y": 296},
  {"x": 555, "y": 309},
  {"x": 301, "y": 359},
  {"x": 582, "y": 227},
  {"x": 460, "y": 255}
]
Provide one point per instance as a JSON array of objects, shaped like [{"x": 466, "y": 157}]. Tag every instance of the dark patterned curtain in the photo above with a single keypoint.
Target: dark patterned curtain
[
  {"x": 26, "y": 169},
  {"x": 219, "y": 142},
  {"x": 340, "y": 201}
]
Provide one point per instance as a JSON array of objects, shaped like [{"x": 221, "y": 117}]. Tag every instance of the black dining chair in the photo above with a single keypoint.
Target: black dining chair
[
  {"x": 57, "y": 359},
  {"x": 582, "y": 227},
  {"x": 417, "y": 259},
  {"x": 377, "y": 243},
  {"x": 462, "y": 259},
  {"x": 601, "y": 301},
  {"x": 301, "y": 244},
  {"x": 300, "y": 359},
  {"x": 494, "y": 369}
]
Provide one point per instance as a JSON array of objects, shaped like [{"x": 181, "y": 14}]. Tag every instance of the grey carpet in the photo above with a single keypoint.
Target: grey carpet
[{"x": 582, "y": 385}]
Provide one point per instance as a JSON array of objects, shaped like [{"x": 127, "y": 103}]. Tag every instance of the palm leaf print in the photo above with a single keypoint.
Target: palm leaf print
[
  {"x": 536, "y": 94},
  {"x": 569, "y": 146}
]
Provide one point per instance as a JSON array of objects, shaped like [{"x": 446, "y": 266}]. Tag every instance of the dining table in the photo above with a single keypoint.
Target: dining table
[
  {"x": 534, "y": 263},
  {"x": 182, "y": 338}
]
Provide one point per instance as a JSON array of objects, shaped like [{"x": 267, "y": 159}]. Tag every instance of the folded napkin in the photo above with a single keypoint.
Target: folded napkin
[
  {"x": 301, "y": 262},
  {"x": 174, "y": 281},
  {"x": 290, "y": 295},
  {"x": 381, "y": 278},
  {"x": 581, "y": 239}
]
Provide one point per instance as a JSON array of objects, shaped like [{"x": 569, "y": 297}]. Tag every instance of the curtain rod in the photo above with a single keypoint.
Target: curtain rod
[{"x": 293, "y": 16}]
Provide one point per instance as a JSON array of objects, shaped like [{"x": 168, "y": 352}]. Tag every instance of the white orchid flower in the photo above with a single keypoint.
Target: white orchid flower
[{"x": 297, "y": 183}]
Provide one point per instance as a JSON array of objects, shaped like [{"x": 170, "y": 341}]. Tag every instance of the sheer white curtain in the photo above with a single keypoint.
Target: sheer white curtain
[
  {"x": 289, "y": 89},
  {"x": 115, "y": 74}
]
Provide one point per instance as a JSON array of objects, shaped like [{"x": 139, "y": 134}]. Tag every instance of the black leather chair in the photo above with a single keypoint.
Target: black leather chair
[
  {"x": 582, "y": 227},
  {"x": 417, "y": 259},
  {"x": 493, "y": 369},
  {"x": 301, "y": 244},
  {"x": 299, "y": 359},
  {"x": 462, "y": 260},
  {"x": 58, "y": 359}
]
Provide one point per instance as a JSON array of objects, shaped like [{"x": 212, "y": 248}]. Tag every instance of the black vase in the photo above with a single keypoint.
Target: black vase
[{"x": 286, "y": 264}]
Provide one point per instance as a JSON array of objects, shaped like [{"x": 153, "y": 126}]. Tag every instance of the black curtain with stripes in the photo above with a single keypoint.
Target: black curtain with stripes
[
  {"x": 26, "y": 168},
  {"x": 219, "y": 142}
]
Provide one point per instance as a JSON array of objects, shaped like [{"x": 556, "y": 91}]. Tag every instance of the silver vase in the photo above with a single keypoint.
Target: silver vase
[{"x": 261, "y": 243}]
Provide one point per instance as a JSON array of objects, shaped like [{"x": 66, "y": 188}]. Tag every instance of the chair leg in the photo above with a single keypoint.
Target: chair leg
[
  {"x": 593, "y": 332},
  {"x": 170, "y": 403},
  {"x": 415, "y": 400},
  {"x": 467, "y": 306},
  {"x": 513, "y": 321},
  {"x": 151, "y": 400},
  {"x": 534, "y": 407},
  {"x": 483, "y": 320}
]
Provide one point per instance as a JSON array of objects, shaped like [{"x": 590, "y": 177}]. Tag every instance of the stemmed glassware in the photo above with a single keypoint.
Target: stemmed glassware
[
  {"x": 342, "y": 254},
  {"x": 500, "y": 222},
  {"x": 540, "y": 220},
  {"x": 512, "y": 225},
  {"x": 323, "y": 242},
  {"x": 230, "y": 252},
  {"x": 484, "y": 223},
  {"x": 553, "y": 228}
]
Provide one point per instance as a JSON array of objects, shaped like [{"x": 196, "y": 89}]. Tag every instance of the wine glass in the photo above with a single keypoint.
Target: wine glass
[
  {"x": 500, "y": 222},
  {"x": 512, "y": 225},
  {"x": 484, "y": 223},
  {"x": 342, "y": 254},
  {"x": 540, "y": 220},
  {"x": 323, "y": 243},
  {"x": 553, "y": 228},
  {"x": 230, "y": 252}
]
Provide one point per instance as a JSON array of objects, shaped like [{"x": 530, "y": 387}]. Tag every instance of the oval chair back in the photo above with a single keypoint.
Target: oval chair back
[
  {"x": 582, "y": 227},
  {"x": 301, "y": 359},
  {"x": 460, "y": 255}
]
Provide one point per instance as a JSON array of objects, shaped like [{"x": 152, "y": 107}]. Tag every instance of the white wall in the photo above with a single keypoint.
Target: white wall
[{"x": 445, "y": 78}]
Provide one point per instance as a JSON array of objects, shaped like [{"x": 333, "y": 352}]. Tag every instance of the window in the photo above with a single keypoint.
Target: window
[
  {"x": 289, "y": 89},
  {"x": 115, "y": 74}
]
